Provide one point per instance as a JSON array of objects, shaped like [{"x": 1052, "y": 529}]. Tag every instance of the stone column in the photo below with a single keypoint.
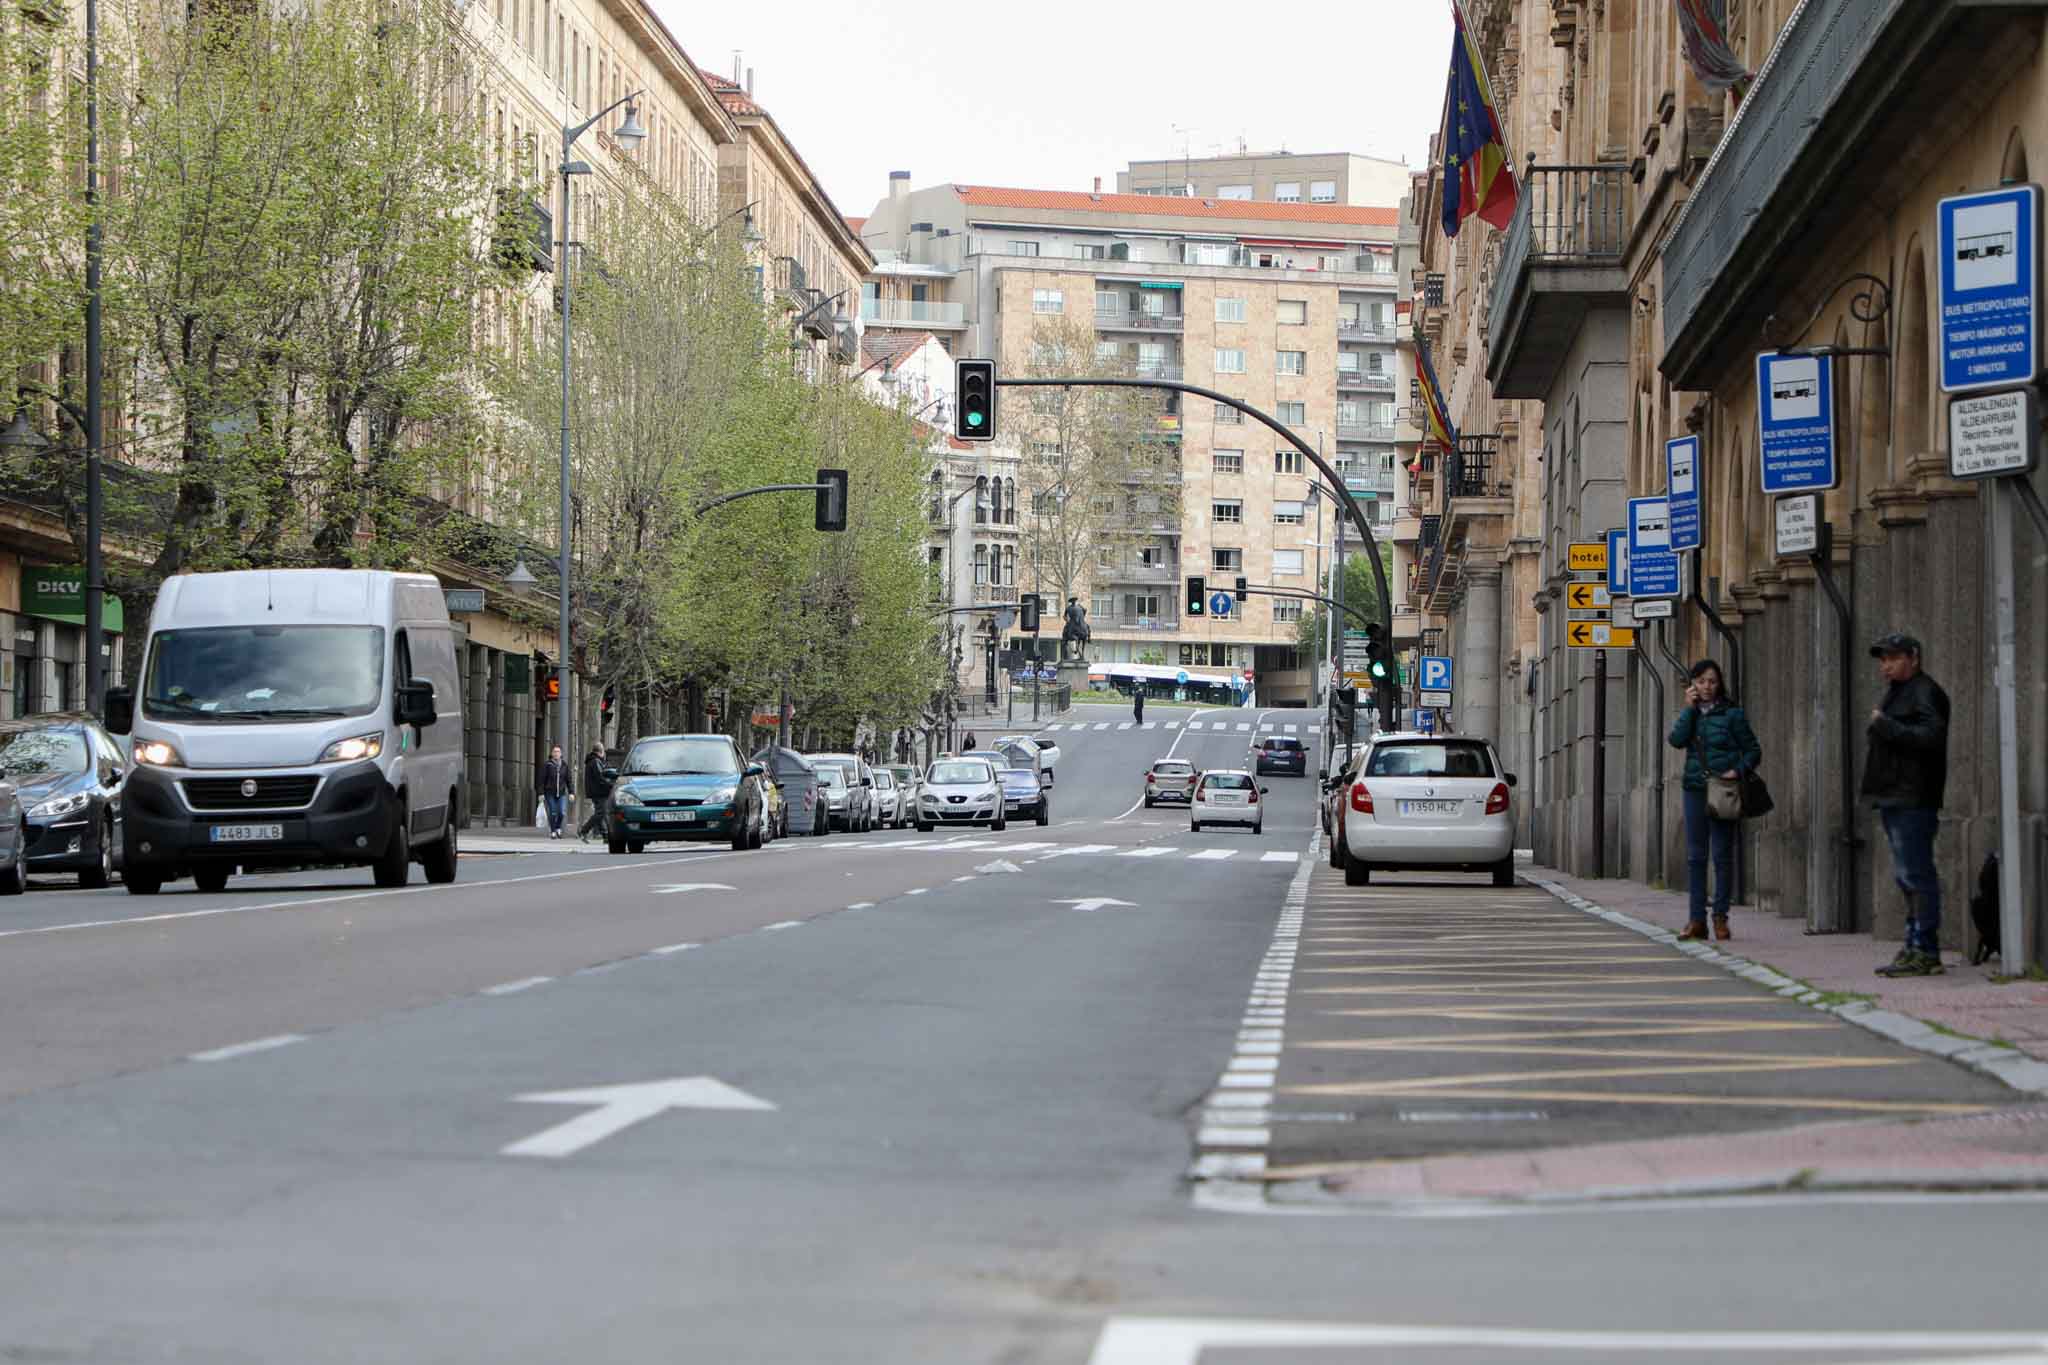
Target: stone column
[{"x": 1478, "y": 698}]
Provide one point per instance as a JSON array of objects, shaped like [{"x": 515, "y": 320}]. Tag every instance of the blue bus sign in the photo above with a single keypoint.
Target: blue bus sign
[
  {"x": 1795, "y": 422},
  {"x": 1652, "y": 563},
  {"x": 1682, "y": 490},
  {"x": 1990, "y": 288}
]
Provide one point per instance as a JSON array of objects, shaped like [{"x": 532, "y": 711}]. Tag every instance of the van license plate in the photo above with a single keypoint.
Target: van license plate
[
  {"x": 244, "y": 834},
  {"x": 674, "y": 817},
  {"x": 1430, "y": 807}
]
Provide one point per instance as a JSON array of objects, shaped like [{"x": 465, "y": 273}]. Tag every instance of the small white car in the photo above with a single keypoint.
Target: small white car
[
  {"x": 1426, "y": 801},
  {"x": 888, "y": 800},
  {"x": 960, "y": 791},
  {"x": 1227, "y": 796}
]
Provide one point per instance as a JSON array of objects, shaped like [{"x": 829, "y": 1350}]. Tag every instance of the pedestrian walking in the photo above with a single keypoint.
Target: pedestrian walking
[
  {"x": 1138, "y": 703},
  {"x": 1718, "y": 742},
  {"x": 557, "y": 785},
  {"x": 967, "y": 745},
  {"x": 597, "y": 786},
  {"x": 1905, "y": 775}
]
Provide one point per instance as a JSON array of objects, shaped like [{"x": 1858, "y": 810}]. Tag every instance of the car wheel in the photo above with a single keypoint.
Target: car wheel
[
  {"x": 1357, "y": 872},
  {"x": 1337, "y": 847},
  {"x": 999, "y": 824},
  {"x": 1148, "y": 803},
  {"x": 14, "y": 880},
  {"x": 1194, "y": 826},
  {"x": 1504, "y": 871},
  {"x": 1258, "y": 826},
  {"x": 636, "y": 845},
  {"x": 101, "y": 872},
  {"x": 742, "y": 835},
  {"x": 760, "y": 834},
  {"x": 442, "y": 855},
  {"x": 614, "y": 844},
  {"x": 394, "y": 865},
  {"x": 212, "y": 878},
  {"x": 1045, "y": 812},
  {"x": 923, "y": 828},
  {"x": 142, "y": 881}
]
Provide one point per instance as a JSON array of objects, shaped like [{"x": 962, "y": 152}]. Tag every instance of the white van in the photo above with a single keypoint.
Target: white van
[{"x": 289, "y": 717}]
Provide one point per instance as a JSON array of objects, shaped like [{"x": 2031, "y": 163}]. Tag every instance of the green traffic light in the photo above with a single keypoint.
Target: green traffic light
[{"x": 973, "y": 419}]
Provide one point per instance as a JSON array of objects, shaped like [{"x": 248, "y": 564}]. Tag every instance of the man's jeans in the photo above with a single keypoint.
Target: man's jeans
[
  {"x": 1700, "y": 830},
  {"x": 554, "y": 806},
  {"x": 1910, "y": 831}
]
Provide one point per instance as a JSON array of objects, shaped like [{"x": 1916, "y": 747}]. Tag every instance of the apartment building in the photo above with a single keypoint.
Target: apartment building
[
  {"x": 1274, "y": 177},
  {"x": 1289, "y": 307}
]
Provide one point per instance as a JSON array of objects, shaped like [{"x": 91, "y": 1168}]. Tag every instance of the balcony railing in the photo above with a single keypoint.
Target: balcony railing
[
  {"x": 1362, "y": 330},
  {"x": 1138, "y": 320},
  {"x": 918, "y": 312},
  {"x": 1568, "y": 216},
  {"x": 1118, "y": 620},
  {"x": 1365, "y": 379},
  {"x": 1364, "y": 431},
  {"x": 1139, "y": 573},
  {"x": 1156, "y": 369}
]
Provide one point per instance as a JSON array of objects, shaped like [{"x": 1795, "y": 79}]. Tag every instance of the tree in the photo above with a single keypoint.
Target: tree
[
  {"x": 42, "y": 218},
  {"x": 1361, "y": 594}
]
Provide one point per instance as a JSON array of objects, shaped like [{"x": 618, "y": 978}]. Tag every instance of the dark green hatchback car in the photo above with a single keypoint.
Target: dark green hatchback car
[{"x": 685, "y": 787}]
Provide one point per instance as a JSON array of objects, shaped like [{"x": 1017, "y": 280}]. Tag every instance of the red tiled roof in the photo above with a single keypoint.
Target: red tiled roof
[
  {"x": 735, "y": 99},
  {"x": 856, "y": 224},
  {"x": 1080, "y": 201},
  {"x": 888, "y": 348}
]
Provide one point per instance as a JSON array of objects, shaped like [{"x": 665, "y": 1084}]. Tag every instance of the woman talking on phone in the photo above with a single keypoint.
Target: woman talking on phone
[{"x": 1719, "y": 745}]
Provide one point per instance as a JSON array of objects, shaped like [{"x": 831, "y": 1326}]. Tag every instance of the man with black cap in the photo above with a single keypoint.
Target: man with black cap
[{"x": 1904, "y": 776}]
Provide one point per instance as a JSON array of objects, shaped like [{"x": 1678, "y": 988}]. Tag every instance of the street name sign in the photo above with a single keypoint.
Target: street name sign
[
  {"x": 1587, "y": 556},
  {"x": 1795, "y": 413},
  {"x": 1652, "y": 563},
  {"x": 1598, "y": 635},
  {"x": 1994, "y": 433},
  {"x": 1649, "y": 609},
  {"x": 1990, "y": 304},
  {"x": 1682, "y": 489},
  {"x": 1587, "y": 596},
  {"x": 1617, "y": 562},
  {"x": 463, "y": 600},
  {"x": 1797, "y": 524},
  {"x": 1434, "y": 672},
  {"x": 1433, "y": 697}
]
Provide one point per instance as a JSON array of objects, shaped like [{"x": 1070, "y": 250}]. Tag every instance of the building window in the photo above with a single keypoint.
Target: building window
[
  {"x": 1225, "y": 561},
  {"x": 1228, "y": 417},
  {"x": 1286, "y": 462},
  {"x": 1109, "y": 350},
  {"x": 1293, "y": 414},
  {"x": 1287, "y": 191},
  {"x": 1233, "y": 191},
  {"x": 1348, "y": 415},
  {"x": 1023, "y": 248},
  {"x": 1088, "y": 251},
  {"x": 1229, "y": 361},
  {"x": 981, "y": 564},
  {"x": 1152, "y": 556},
  {"x": 1287, "y": 563},
  {"x": 1227, "y": 512},
  {"x": 1322, "y": 191},
  {"x": 1286, "y": 611},
  {"x": 1347, "y": 362},
  {"x": 1229, "y": 310},
  {"x": 1230, "y": 462},
  {"x": 1108, "y": 303},
  {"x": 1102, "y": 606},
  {"x": 1145, "y": 605},
  {"x": 1347, "y": 314},
  {"x": 1048, "y": 301},
  {"x": 1293, "y": 312},
  {"x": 1288, "y": 514},
  {"x": 1376, "y": 363},
  {"x": 1290, "y": 362}
]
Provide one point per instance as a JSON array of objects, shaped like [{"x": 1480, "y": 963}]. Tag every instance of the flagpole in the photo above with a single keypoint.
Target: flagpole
[{"x": 1464, "y": 23}]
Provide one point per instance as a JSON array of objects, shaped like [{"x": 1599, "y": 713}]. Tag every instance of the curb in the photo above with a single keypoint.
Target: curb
[{"x": 2007, "y": 1065}]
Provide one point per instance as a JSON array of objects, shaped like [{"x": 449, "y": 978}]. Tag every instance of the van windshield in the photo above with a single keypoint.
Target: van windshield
[{"x": 240, "y": 673}]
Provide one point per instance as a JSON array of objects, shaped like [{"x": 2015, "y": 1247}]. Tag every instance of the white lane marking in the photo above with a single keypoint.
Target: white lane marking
[
  {"x": 1267, "y": 729},
  {"x": 666, "y": 949},
  {"x": 1244, "y": 725},
  {"x": 1281, "y": 857},
  {"x": 619, "y": 1107},
  {"x": 1147, "y": 852},
  {"x": 444, "y": 889},
  {"x": 782, "y": 924},
  {"x": 1183, "y": 1341},
  {"x": 967, "y": 878},
  {"x": 677, "y": 888},
  {"x": 1291, "y": 728},
  {"x": 1102, "y": 725},
  {"x": 1075, "y": 849},
  {"x": 1056, "y": 725},
  {"x": 1123, "y": 725},
  {"x": 1194, "y": 725},
  {"x": 1171, "y": 724},
  {"x": 1150, "y": 725},
  {"x": 514, "y": 987},
  {"x": 1090, "y": 904},
  {"x": 862, "y": 905},
  {"x": 1212, "y": 855},
  {"x": 917, "y": 891},
  {"x": 1315, "y": 729},
  {"x": 1025, "y": 848},
  {"x": 222, "y": 1054},
  {"x": 949, "y": 846}
]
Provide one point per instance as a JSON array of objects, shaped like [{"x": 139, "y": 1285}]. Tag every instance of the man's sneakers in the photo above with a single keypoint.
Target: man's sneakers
[{"x": 1913, "y": 962}]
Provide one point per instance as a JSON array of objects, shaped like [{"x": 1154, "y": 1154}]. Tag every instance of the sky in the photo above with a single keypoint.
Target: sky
[{"x": 1049, "y": 95}]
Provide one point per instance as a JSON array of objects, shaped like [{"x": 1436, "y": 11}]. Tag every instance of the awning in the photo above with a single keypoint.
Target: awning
[{"x": 57, "y": 593}]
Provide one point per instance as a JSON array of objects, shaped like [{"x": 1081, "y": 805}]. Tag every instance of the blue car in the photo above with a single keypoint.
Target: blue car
[
  {"x": 1023, "y": 796},
  {"x": 686, "y": 787},
  {"x": 67, "y": 772}
]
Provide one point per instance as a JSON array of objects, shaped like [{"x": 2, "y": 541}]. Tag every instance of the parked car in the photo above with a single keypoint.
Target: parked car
[
  {"x": 67, "y": 772},
  {"x": 960, "y": 791},
  {"x": 851, "y": 803},
  {"x": 1227, "y": 796},
  {"x": 1048, "y": 752},
  {"x": 888, "y": 799},
  {"x": 791, "y": 774},
  {"x": 908, "y": 779},
  {"x": 1279, "y": 754},
  {"x": 1170, "y": 779},
  {"x": 1336, "y": 779},
  {"x": 1024, "y": 796},
  {"x": 13, "y": 843},
  {"x": 1434, "y": 801},
  {"x": 686, "y": 787}
]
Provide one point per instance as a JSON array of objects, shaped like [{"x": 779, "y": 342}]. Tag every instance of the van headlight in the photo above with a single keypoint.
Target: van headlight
[
  {"x": 353, "y": 748},
  {"x": 156, "y": 753},
  {"x": 59, "y": 806}
]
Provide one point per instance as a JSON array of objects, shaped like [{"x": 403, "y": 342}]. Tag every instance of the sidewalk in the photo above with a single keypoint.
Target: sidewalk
[{"x": 522, "y": 839}]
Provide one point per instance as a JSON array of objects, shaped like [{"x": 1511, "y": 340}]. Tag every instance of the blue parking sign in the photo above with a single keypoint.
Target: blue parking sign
[
  {"x": 1617, "y": 563},
  {"x": 1433, "y": 673},
  {"x": 1795, "y": 413},
  {"x": 1990, "y": 311}
]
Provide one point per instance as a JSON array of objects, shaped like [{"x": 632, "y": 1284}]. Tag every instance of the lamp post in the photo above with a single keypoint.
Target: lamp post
[
  {"x": 630, "y": 133},
  {"x": 95, "y": 628}
]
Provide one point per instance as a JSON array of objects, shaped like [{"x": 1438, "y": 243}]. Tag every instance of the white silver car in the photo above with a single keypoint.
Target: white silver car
[
  {"x": 960, "y": 791},
  {"x": 888, "y": 800},
  {"x": 1427, "y": 801},
  {"x": 1227, "y": 796}
]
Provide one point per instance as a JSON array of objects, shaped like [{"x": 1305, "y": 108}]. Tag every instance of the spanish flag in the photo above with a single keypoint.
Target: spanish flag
[
  {"x": 1436, "y": 417},
  {"x": 1477, "y": 179}
]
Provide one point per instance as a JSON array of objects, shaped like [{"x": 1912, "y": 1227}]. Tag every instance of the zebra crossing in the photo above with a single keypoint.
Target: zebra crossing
[
  {"x": 1043, "y": 849},
  {"x": 1241, "y": 726}
]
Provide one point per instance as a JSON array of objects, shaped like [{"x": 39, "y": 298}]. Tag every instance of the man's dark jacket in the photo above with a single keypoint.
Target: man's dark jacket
[
  {"x": 1908, "y": 760},
  {"x": 594, "y": 781}
]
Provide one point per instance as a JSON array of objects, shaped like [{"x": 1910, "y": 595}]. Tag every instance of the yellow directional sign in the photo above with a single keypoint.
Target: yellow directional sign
[
  {"x": 1588, "y": 556},
  {"x": 1585, "y": 596},
  {"x": 1598, "y": 635}
]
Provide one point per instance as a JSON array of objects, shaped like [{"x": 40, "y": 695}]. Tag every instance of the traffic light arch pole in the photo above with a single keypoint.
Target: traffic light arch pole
[{"x": 1391, "y": 701}]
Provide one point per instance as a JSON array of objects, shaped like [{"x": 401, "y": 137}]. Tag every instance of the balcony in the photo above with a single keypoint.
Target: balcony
[
  {"x": 1562, "y": 260},
  {"x": 524, "y": 235},
  {"x": 1156, "y": 369},
  {"x": 1365, "y": 380},
  {"x": 1364, "y": 431},
  {"x": 1124, "y": 622},
  {"x": 1836, "y": 123},
  {"x": 1363, "y": 330},
  {"x": 1137, "y": 320},
  {"x": 912, "y": 313},
  {"x": 1138, "y": 573},
  {"x": 994, "y": 592}
]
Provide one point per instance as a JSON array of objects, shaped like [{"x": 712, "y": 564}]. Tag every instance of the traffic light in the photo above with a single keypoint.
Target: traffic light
[
  {"x": 1197, "y": 601},
  {"x": 974, "y": 400},
  {"x": 1028, "y": 608},
  {"x": 1344, "y": 700},
  {"x": 604, "y": 706},
  {"x": 1241, "y": 594},
  {"x": 550, "y": 684},
  {"x": 1379, "y": 659},
  {"x": 832, "y": 500}
]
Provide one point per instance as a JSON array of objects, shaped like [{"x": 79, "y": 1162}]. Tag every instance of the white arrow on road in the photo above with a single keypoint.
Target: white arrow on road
[
  {"x": 678, "y": 887},
  {"x": 619, "y": 1107},
  {"x": 1096, "y": 903}
]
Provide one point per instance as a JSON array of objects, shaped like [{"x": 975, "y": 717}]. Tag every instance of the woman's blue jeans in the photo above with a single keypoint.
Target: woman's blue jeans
[{"x": 1702, "y": 831}]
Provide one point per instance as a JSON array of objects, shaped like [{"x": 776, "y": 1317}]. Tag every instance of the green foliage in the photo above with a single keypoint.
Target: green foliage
[{"x": 1361, "y": 593}]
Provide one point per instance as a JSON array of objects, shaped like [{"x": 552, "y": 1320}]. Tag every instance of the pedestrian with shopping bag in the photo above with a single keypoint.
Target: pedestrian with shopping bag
[
  {"x": 1905, "y": 775},
  {"x": 597, "y": 785},
  {"x": 1722, "y": 755},
  {"x": 557, "y": 785}
]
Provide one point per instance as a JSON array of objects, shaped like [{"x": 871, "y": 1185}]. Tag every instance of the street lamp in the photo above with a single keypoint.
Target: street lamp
[{"x": 630, "y": 133}]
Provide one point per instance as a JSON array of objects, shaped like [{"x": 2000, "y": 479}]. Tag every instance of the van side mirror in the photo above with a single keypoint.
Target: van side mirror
[
  {"x": 120, "y": 710},
  {"x": 416, "y": 703}
]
